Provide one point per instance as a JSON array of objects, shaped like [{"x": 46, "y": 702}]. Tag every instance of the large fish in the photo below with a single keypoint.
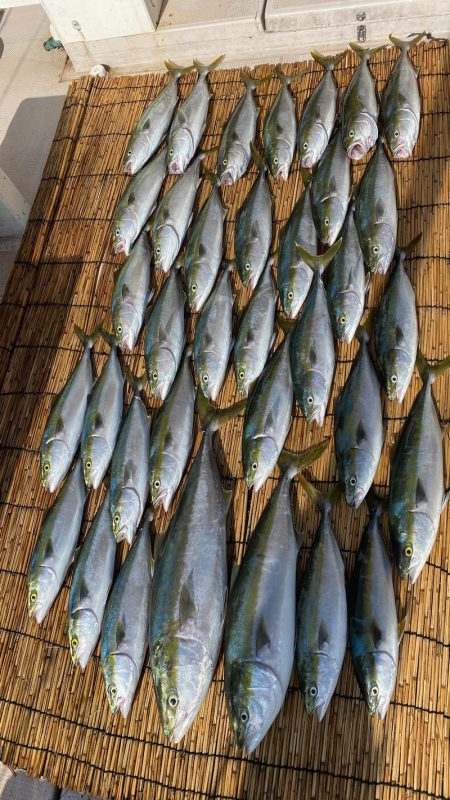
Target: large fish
[
  {"x": 63, "y": 428},
  {"x": 294, "y": 275},
  {"x": 376, "y": 215},
  {"x": 347, "y": 285},
  {"x": 260, "y": 629},
  {"x": 359, "y": 108},
  {"x": 189, "y": 121},
  {"x": 321, "y": 613},
  {"x": 396, "y": 329},
  {"x": 330, "y": 191},
  {"x": 203, "y": 252},
  {"x": 267, "y": 417},
  {"x": 372, "y": 616},
  {"x": 91, "y": 582},
  {"x": 129, "y": 467},
  {"x": 213, "y": 337},
  {"x": 319, "y": 114},
  {"x": 400, "y": 102},
  {"x": 153, "y": 125},
  {"x": 312, "y": 346},
  {"x": 102, "y": 420},
  {"x": 416, "y": 487},
  {"x": 358, "y": 426},
  {"x": 131, "y": 294},
  {"x": 190, "y": 590},
  {"x": 280, "y": 128},
  {"x": 173, "y": 216},
  {"x": 172, "y": 436},
  {"x": 125, "y": 624},
  {"x": 56, "y": 545},
  {"x": 253, "y": 228},
  {"x": 137, "y": 203},
  {"x": 164, "y": 336},
  {"x": 255, "y": 334}
]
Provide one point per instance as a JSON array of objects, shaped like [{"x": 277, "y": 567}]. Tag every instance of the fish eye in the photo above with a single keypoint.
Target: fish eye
[
  {"x": 310, "y": 400},
  {"x": 305, "y": 145},
  {"x": 326, "y": 221},
  {"x": 205, "y": 378},
  {"x": 74, "y": 643},
  {"x": 157, "y": 483},
  {"x": 117, "y": 231},
  {"x": 343, "y": 319},
  {"x": 375, "y": 249},
  {"x": 194, "y": 288},
  {"x": 225, "y": 162},
  {"x": 129, "y": 153},
  {"x": 290, "y": 295},
  {"x": 113, "y": 691},
  {"x": 119, "y": 329},
  {"x": 88, "y": 463},
  {"x": 244, "y": 716},
  {"x": 374, "y": 691},
  {"x": 158, "y": 250},
  {"x": 241, "y": 374},
  {"x": 275, "y": 161},
  {"x": 396, "y": 134},
  {"x": 173, "y": 700},
  {"x": 46, "y": 467},
  {"x": 116, "y": 519},
  {"x": 394, "y": 378},
  {"x": 408, "y": 551},
  {"x": 247, "y": 266},
  {"x": 353, "y": 481},
  {"x": 313, "y": 691},
  {"x": 171, "y": 151},
  {"x": 33, "y": 597},
  {"x": 155, "y": 376},
  {"x": 351, "y": 133},
  {"x": 255, "y": 466}
]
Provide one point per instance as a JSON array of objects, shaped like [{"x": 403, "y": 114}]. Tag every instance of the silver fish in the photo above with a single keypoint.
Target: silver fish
[
  {"x": 164, "y": 336},
  {"x": 213, "y": 338},
  {"x": 347, "y": 285},
  {"x": 131, "y": 294},
  {"x": 319, "y": 114},
  {"x": 253, "y": 228},
  {"x": 294, "y": 275},
  {"x": 280, "y": 128},
  {"x": 359, "y": 107},
  {"x": 234, "y": 149},
  {"x": 330, "y": 191},
  {"x": 203, "y": 252},
  {"x": 400, "y": 102}
]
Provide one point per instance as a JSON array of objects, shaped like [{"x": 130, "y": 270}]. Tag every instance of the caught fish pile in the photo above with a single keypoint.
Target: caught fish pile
[{"x": 179, "y": 601}]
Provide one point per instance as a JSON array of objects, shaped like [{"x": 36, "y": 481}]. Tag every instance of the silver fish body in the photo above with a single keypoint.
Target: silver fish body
[
  {"x": 359, "y": 110},
  {"x": 151, "y": 128},
  {"x": 213, "y": 338},
  {"x": 346, "y": 285},
  {"x": 400, "y": 103},
  {"x": 131, "y": 294},
  {"x": 203, "y": 252},
  {"x": 330, "y": 191},
  {"x": 187, "y": 127},
  {"x": 318, "y": 115},
  {"x": 253, "y": 231},
  {"x": 137, "y": 203},
  {"x": 165, "y": 337},
  {"x": 294, "y": 274},
  {"x": 234, "y": 149},
  {"x": 279, "y": 132}
]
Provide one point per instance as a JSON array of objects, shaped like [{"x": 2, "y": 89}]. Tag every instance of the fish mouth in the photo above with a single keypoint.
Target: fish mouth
[
  {"x": 36, "y": 611},
  {"x": 317, "y": 415},
  {"x": 163, "y": 499},
  {"x": 127, "y": 341},
  {"x": 255, "y": 484},
  {"x": 402, "y": 151},
  {"x": 282, "y": 172},
  {"x": 307, "y": 161},
  {"x": 123, "y": 534},
  {"x": 356, "y": 151},
  {"x": 195, "y": 305},
  {"x": 121, "y": 247},
  {"x": 128, "y": 167},
  {"x": 357, "y": 498},
  {"x": 176, "y": 167},
  {"x": 228, "y": 177},
  {"x": 163, "y": 264}
]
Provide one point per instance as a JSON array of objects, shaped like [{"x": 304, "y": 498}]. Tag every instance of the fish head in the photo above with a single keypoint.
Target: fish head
[
  {"x": 357, "y": 469},
  {"x": 398, "y": 365},
  {"x": 83, "y": 632},
  {"x": 161, "y": 368},
  {"x": 231, "y": 164},
  {"x": 279, "y": 159},
  {"x": 198, "y": 287},
  {"x": 210, "y": 372},
  {"x": 318, "y": 673},
  {"x": 120, "y": 674},
  {"x": 136, "y": 154},
  {"x": 401, "y": 132},
  {"x": 254, "y": 698},
  {"x": 312, "y": 396},
  {"x": 360, "y": 135},
  {"x": 95, "y": 459},
  {"x": 179, "y": 151},
  {"x": 412, "y": 536},
  {"x": 346, "y": 315},
  {"x": 260, "y": 456},
  {"x": 330, "y": 220},
  {"x": 380, "y": 248},
  {"x": 166, "y": 245},
  {"x": 293, "y": 293},
  {"x": 124, "y": 232},
  {"x": 377, "y": 672},
  {"x": 126, "y": 514},
  {"x": 55, "y": 462},
  {"x": 313, "y": 145},
  {"x": 43, "y": 586},
  {"x": 243, "y": 380},
  {"x": 127, "y": 324},
  {"x": 250, "y": 263}
]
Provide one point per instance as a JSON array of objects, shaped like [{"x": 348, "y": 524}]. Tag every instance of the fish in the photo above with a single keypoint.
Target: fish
[
  {"x": 189, "y": 121},
  {"x": 294, "y": 275},
  {"x": 400, "y": 102},
  {"x": 125, "y": 624},
  {"x": 319, "y": 114},
  {"x": 131, "y": 294},
  {"x": 359, "y": 107},
  {"x": 260, "y": 627},
  {"x": 376, "y": 215},
  {"x": 253, "y": 228},
  {"x": 102, "y": 420},
  {"x": 129, "y": 484},
  {"x": 280, "y": 128},
  {"x": 137, "y": 203},
  {"x": 396, "y": 329},
  {"x": 416, "y": 485},
  {"x": 312, "y": 355},
  {"x": 55, "y": 547},
  {"x": 255, "y": 335},
  {"x": 330, "y": 191},
  {"x": 358, "y": 425},
  {"x": 213, "y": 337},
  {"x": 203, "y": 253},
  {"x": 63, "y": 428},
  {"x": 91, "y": 582},
  {"x": 172, "y": 436},
  {"x": 321, "y": 612},
  {"x": 164, "y": 336},
  {"x": 267, "y": 417},
  {"x": 173, "y": 216},
  {"x": 347, "y": 284},
  {"x": 372, "y": 617},
  {"x": 190, "y": 587},
  {"x": 153, "y": 125}
]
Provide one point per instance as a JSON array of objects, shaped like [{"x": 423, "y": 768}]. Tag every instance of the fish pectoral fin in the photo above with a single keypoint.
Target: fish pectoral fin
[
  {"x": 332, "y": 185},
  {"x": 83, "y": 591},
  {"x": 312, "y": 356},
  {"x": 234, "y": 574},
  {"x": 323, "y": 638},
  {"x": 187, "y": 608},
  {"x": 263, "y": 642},
  {"x": 168, "y": 439},
  {"x": 379, "y": 210},
  {"x": 376, "y": 634},
  {"x": 49, "y": 551},
  {"x": 120, "y": 632},
  {"x": 361, "y": 434},
  {"x": 235, "y": 136},
  {"x": 421, "y": 497},
  {"x": 255, "y": 232},
  {"x": 129, "y": 472},
  {"x": 131, "y": 197},
  {"x": 59, "y": 427},
  {"x": 97, "y": 423},
  {"x": 125, "y": 291},
  {"x": 272, "y": 418},
  {"x": 399, "y": 335}
]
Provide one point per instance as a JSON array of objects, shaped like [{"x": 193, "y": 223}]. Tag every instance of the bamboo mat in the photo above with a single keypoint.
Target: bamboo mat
[{"x": 55, "y": 721}]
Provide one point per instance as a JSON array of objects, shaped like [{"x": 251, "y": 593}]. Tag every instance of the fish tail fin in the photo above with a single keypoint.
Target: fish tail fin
[
  {"x": 211, "y": 417},
  {"x": 318, "y": 263},
  {"x": 293, "y": 463},
  {"x": 375, "y": 503},
  {"x": 405, "y": 44},
  {"x": 306, "y": 176},
  {"x": 187, "y": 352},
  {"x": 250, "y": 82},
  {"x": 257, "y": 157},
  {"x": 286, "y": 325},
  {"x": 287, "y": 79},
  {"x": 365, "y": 53},
  {"x": 203, "y": 69},
  {"x": 107, "y": 336},
  {"x": 402, "y": 252},
  {"x": 328, "y": 62},
  {"x": 430, "y": 372},
  {"x": 87, "y": 339},
  {"x": 211, "y": 176},
  {"x": 137, "y": 382},
  {"x": 364, "y": 330},
  {"x": 324, "y": 500},
  {"x": 175, "y": 69}
]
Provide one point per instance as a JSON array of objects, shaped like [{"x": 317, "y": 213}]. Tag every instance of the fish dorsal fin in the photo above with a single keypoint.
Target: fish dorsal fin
[
  {"x": 421, "y": 496},
  {"x": 323, "y": 638},
  {"x": 48, "y": 553},
  {"x": 125, "y": 291},
  {"x": 379, "y": 210},
  {"x": 187, "y": 609},
  {"x": 97, "y": 422},
  {"x": 59, "y": 427},
  {"x": 376, "y": 633},
  {"x": 262, "y": 638},
  {"x": 272, "y": 417},
  {"x": 168, "y": 438},
  {"x": 120, "y": 632},
  {"x": 332, "y": 186},
  {"x": 361, "y": 434},
  {"x": 312, "y": 357},
  {"x": 129, "y": 471},
  {"x": 83, "y": 591},
  {"x": 399, "y": 337}
]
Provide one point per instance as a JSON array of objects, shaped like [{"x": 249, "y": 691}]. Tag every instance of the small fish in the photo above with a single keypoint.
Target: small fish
[
  {"x": 56, "y": 545},
  {"x": 164, "y": 336},
  {"x": 213, "y": 337},
  {"x": 129, "y": 467},
  {"x": 91, "y": 582},
  {"x": 359, "y": 107},
  {"x": 312, "y": 346},
  {"x": 203, "y": 252},
  {"x": 330, "y": 191},
  {"x": 131, "y": 294},
  {"x": 416, "y": 487},
  {"x": 376, "y": 215},
  {"x": 172, "y": 436},
  {"x": 153, "y": 125},
  {"x": 189, "y": 121},
  {"x": 253, "y": 228},
  {"x": 267, "y": 417},
  {"x": 102, "y": 420},
  {"x": 319, "y": 114},
  {"x": 63, "y": 428},
  {"x": 137, "y": 203},
  {"x": 347, "y": 285},
  {"x": 125, "y": 624},
  {"x": 359, "y": 430},
  {"x": 173, "y": 216},
  {"x": 321, "y": 612},
  {"x": 372, "y": 616},
  {"x": 260, "y": 629},
  {"x": 396, "y": 329},
  {"x": 255, "y": 335},
  {"x": 294, "y": 275},
  {"x": 400, "y": 102},
  {"x": 280, "y": 128}
]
